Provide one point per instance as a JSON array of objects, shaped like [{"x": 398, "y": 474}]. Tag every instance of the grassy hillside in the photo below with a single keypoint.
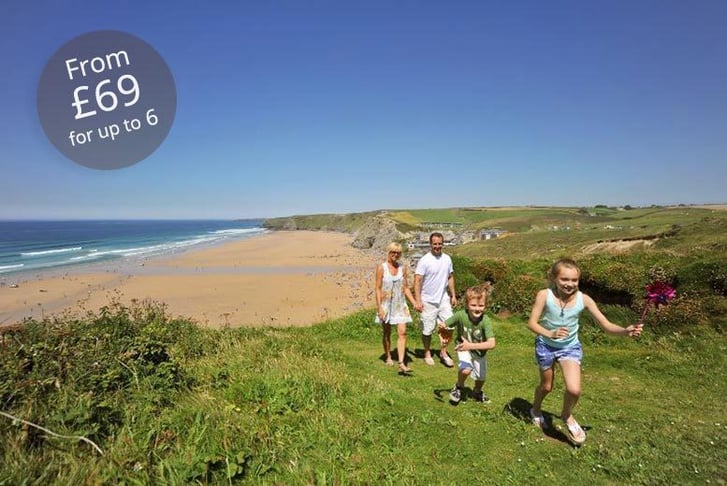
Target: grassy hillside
[
  {"x": 326, "y": 222},
  {"x": 680, "y": 230},
  {"x": 169, "y": 403}
]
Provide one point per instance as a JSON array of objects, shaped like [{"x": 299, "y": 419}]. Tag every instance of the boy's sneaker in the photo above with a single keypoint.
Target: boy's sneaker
[
  {"x": 455, "y": 395},
  {"x": 479, "y": 396},
  {"x": 538, "y": 420}
]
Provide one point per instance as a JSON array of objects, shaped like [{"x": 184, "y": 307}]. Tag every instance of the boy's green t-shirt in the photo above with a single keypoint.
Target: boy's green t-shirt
[{"x": 474, "y": 332}]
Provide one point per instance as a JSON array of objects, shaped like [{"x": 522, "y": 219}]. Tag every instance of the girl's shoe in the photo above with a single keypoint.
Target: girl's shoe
[
  {"x": 576, "y": 434},
  {"x": 404, "y": 368}
]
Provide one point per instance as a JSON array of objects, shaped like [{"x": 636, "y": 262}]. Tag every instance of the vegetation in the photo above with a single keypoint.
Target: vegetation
[
  {"x": 323, "y": 222},
  {"x": 170, "y": 403}
]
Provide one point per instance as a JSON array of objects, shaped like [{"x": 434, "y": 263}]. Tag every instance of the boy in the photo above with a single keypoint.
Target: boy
[{"x": 474, "y": 337}]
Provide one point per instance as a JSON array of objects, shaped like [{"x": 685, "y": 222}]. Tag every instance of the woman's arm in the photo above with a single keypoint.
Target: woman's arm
[{"x": 379, "y": 279}]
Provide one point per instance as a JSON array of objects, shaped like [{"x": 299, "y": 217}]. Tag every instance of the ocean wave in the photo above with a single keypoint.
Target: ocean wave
[
  {"x": 7, "y": 268},
  {"x": 236, "y": 231},
  {"x": 51, "y": 252}
]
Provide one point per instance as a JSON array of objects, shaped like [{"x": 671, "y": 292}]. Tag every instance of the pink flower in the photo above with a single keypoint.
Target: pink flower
[{"x": 659, "y": 293}]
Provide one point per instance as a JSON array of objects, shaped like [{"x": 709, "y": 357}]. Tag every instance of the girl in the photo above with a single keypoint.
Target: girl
[{"x": 554, "y": 319}]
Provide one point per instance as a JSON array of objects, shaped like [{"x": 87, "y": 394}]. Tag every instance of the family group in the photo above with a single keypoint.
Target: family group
[{"x": 554, "y": 319}]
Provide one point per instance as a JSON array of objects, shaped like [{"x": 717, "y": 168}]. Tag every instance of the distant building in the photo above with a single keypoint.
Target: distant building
[
  {"x": 490, "y": 233},
  {"x": 441, "y": 225}
]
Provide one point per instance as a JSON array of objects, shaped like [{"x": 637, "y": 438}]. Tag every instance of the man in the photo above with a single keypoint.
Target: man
[{"x": 434, "y": 295}]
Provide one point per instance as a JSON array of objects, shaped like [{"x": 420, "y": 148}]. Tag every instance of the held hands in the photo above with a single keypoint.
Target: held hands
[
  {"x": 418, "y": 305},
  {"x": 444, "y": 334},
  {"x": 382, "y": 314}
]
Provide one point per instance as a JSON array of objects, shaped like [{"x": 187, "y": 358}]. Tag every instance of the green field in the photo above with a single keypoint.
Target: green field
[{"x": 171, "y": 404}]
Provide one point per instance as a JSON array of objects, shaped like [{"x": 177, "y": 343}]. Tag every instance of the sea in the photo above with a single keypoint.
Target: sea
[{"x": 32, "y": 246}]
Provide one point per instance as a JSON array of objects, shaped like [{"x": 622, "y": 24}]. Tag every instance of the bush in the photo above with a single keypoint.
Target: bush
[
  {"x": 69, "y": 374},
  {"x": 516, "y": 293}
]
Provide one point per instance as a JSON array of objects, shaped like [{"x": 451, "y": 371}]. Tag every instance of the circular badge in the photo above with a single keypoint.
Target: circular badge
[{"x": 106, "y": 99}]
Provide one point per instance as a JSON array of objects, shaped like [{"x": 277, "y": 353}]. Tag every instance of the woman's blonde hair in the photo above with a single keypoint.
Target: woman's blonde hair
[{"x": 393, "y": 246}]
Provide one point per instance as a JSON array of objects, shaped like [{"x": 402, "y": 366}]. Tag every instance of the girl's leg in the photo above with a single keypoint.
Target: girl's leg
[
  {"x": 478, "y": 385},
  {"x": 401, "y": 342},
  {"x": 572, "y": 378},
  {"x": 386, "y": 341},
  {"x": 543, "y": 388}
]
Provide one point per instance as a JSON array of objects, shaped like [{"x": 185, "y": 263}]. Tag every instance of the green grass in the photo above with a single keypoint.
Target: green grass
[
  {"x": 317, "y": 406},
  {"x": 681, "y": 231}
]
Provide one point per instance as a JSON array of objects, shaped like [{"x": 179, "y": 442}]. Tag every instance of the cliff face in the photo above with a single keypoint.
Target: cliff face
[
  {"x": 370, "y": 230},
  {"x": 377, "y": 233}
]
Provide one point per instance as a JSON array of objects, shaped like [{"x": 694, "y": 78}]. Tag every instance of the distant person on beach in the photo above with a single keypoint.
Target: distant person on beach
[
  {"x": 435, "y": 296},
  {"x": 392, "y": 290},
  {"x": 474, "y": 337},
  {"x": 554, "y": 318}
]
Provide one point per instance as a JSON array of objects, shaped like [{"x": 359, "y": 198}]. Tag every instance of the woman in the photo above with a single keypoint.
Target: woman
[{"x": 392, "y": 290}]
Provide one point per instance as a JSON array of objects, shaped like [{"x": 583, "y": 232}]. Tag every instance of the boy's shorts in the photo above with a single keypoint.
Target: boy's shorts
[
  {"x": 546, "y": 355},
  {"x": 433, "y": 313},
  {"x": 478, "y": 364}
]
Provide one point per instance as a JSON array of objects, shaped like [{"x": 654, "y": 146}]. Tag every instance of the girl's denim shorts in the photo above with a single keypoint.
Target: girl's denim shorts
[{"x": 546, "y": 355}]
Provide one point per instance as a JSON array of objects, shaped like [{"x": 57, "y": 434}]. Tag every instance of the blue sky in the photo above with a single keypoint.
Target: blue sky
[{"x": 295, "y": 107}]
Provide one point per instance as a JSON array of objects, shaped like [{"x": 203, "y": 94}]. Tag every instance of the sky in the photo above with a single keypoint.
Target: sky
[{"x": 301, "y": 107}]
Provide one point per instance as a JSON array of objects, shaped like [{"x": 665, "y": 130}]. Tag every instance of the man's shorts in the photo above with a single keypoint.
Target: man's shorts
[
  {"x": 478, "y": 364},
  {"x": 546, "y": 355},
  {"x": 433, "y": 313}
]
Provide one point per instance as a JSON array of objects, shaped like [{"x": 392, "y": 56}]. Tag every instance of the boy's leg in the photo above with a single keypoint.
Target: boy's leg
[
  {"x": 463, "y": 371},
  {"x": 479, "y": 373},
  {"x": 455, "y": 395},
  {"x": 462, "y": 375}
]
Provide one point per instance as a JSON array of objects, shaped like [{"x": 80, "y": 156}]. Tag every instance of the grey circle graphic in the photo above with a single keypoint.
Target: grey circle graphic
[{"x": 106, "y": 99}]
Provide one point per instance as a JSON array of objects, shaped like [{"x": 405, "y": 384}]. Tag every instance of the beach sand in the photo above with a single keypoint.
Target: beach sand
[{"x": 285, "y": 278}]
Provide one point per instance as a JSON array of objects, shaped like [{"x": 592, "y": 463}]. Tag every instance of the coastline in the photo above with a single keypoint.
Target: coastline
[{"x": 279, "y": 278}]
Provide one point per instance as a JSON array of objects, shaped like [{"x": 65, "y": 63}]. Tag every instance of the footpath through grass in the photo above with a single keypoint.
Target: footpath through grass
[{"x": 318, "y": 406}]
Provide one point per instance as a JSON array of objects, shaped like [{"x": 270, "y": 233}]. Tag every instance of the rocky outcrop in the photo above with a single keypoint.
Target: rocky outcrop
[{"x": 376, "y": 233}]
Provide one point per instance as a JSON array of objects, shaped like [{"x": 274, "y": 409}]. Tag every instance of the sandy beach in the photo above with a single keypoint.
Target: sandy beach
[{"x": 286, "y": 278}]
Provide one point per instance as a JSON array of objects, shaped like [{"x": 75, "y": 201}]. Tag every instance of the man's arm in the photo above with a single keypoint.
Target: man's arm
[{"x": 450, "y": 286}]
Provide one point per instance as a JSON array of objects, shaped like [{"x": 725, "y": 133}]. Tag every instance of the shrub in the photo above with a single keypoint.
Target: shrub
[{"x": 516, "y": 293}]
